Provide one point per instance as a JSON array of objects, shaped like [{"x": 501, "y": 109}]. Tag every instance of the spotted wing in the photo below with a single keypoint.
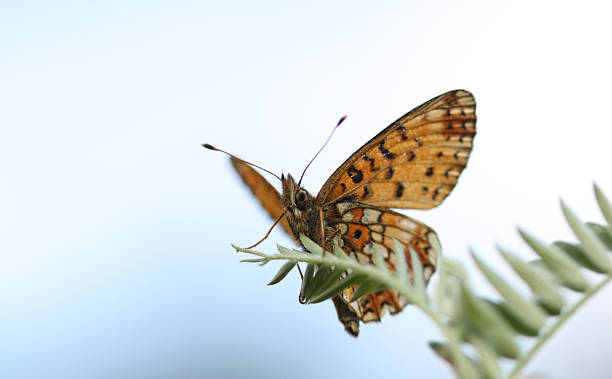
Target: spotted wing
[
  {"x": 415, "y": 162},
  {"x": 361, "y": 228},
  {"x": 267, "y": 195}
]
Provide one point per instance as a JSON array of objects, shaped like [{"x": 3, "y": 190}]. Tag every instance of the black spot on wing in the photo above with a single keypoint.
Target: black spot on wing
[
  {"x": 355, "y": 175},
  {"x": 366, "y": 192},
  {"x": 402, "y": 130},
  {"x": 386, "y": 153},
  {"x": 400, "y": 190},
  {"x": 371, "y": 160},
  {"x": 389, "y": 173},
  {"x": 348, "y": 198}
]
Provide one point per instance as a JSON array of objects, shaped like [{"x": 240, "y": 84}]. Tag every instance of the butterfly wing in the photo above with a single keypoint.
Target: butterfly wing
[
  {"x": 362, "y": 228},
  {"x": 413, "y": 163},
  {"x": 267, "y": 195}
]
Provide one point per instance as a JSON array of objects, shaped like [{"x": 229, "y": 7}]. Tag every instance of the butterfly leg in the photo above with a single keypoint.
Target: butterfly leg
[
  {"x": 300, "y": 294},
  {"x": 332, "y": 235},
  {"x": 322, "y": 224},
  {"x": 302, "y": 301}
]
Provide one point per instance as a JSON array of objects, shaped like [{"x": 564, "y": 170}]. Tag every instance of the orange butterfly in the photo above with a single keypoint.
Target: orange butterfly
[{"x": 413, "y": 163}]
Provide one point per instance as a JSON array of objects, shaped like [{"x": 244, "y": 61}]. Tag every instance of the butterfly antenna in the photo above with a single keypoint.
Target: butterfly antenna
[
  {"x": 321, "y": 149},
  {"x": 211, "y": 147}
]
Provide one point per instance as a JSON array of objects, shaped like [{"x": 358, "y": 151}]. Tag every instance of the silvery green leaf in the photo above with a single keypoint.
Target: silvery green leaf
[
  {"x": 335, "y": 288},
  {"x": 282, "y": 272},
  {"x": 332, "y": 276},
  {"x": 401, "y": 266},
  {"x": 527, "y": 313},
  {"x": 602, "y": 233},
  {"x": 564, "y": 269},
  {"x": 605, "y": 206},
  {"x": 454, "y": 268},
  {"x": 576, "y": 252},
  {"x": 310, "y": 245},
  {"x": 448, "y": 292},
  {"x": 339, "y": 252},
  {"x": 540, "y": 281},
  {"x": 379, "y": 262},
  {"x": 484, "y": 320},
  {"x": 417, "y": 277},
  {"x": 366, "y": 288},
  {"x": 285, "y": 251},
  {"x": 442, "y": 350},
  {"x": 253, "y": 260},
  {"x": 448, "y": 296},
  {"x": 487, "y": 359},
  {"x": 308, "y": 275},
  {"x": 321, "y": 273},
  {"x": 592, "y": 247},
  {"x": 445, "y": 351},
  {"x": 517, "y": 324}
]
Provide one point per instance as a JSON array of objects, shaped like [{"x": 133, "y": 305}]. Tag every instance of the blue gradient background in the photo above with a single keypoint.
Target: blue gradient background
[{"x": 115, "y": 224}]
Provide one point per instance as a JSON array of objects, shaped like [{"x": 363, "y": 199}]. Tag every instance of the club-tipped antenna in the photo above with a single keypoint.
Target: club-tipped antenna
[
  {"x": 211, "y": 147},
  {"x": 321, "y": 149}
]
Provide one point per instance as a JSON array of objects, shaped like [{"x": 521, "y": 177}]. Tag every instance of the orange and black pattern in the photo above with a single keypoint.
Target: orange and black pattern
[
  {"x": 414, "y": 163},
  {"x": 364, "y": 228}
]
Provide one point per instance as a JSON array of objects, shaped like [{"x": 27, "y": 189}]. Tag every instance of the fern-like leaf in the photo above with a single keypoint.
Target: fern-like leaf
[{"x": 490, "y": 326}]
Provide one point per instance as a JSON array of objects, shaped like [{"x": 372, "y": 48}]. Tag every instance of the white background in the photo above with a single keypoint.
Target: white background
[{"x": 115, "y": 224}]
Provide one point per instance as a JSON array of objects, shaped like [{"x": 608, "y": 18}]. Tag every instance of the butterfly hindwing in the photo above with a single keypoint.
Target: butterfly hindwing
[
  {"x": 413, "y": 163},
  {"x": 362, "y": 228}
]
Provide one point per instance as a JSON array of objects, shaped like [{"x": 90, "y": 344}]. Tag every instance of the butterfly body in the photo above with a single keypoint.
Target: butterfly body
[
  {"x": 301, "y": 210},
  {"x": 413, "y": 163}
]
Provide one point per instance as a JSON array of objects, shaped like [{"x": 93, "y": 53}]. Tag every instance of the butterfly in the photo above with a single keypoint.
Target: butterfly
[{"x": 413, "y": 163}]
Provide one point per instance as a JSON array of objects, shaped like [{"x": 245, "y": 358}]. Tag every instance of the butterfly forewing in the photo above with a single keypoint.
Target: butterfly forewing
[
  {"x": 413, "y": 163},
  {"x": 267, "y": 195}
]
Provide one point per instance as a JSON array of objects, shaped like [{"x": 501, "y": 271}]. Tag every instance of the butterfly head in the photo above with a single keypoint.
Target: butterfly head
[{"x": 298, "y": 204}]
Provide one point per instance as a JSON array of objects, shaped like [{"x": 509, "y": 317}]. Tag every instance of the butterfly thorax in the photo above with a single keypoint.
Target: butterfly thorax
[{"x": 301, "y": 209}]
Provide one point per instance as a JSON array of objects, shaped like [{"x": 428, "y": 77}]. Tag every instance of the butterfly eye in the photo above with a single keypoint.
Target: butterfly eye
[{"x": 300, "y": 199}]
